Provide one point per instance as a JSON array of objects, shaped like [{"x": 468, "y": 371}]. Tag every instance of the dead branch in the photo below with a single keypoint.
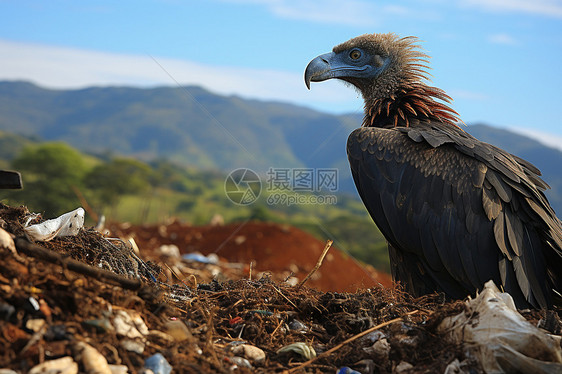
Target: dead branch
[
  {"x": 318, "y": 264},
  {"x": 40, "y": 253}
]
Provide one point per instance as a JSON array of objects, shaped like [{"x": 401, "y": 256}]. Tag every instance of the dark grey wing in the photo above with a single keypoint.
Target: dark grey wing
[
  {"x": 530, "y": 226},
  {"x": 451, "y": 220}
]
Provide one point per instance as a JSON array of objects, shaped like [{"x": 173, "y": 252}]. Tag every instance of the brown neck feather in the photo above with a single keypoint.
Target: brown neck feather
[{"x": 412, "y": 104}]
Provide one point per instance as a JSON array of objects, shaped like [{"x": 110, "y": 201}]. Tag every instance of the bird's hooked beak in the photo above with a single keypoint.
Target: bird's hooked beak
[
  {"x": 319, "y": 69},
  {"x": 339, "y": 65}
]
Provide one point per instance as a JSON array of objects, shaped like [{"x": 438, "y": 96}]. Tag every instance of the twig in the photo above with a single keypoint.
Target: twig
[
  {"x": 277, "y": 328},
  {"x": 285, "y": 297},
  {"x": 251, "y": 266},
  {"x": 85, "y": 204},
  {"x": 34, "y": 339},
  {"x": 194, "y": 279},
  {"x": 355, "y": 337},
  {"x": 176, "y": 274},
  {"x": 318, "y": 264},
  {"x": 44, "y": 254},
  {"x": 210, "y": 330}
]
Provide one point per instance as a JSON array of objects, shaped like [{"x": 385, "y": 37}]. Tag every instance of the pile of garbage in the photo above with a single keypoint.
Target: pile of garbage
[{"x": 85, "y": 301}]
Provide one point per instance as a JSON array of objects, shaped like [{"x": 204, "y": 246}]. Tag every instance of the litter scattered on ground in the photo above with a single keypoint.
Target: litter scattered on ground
[
  {"x": 90, "y": 300},
  {"x": 286, "y": 252},
  {"x": 500, "y": 338},
  {"x": 68, "y": 224}
]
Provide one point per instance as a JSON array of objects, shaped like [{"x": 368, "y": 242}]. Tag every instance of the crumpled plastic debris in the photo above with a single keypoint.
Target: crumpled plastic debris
[
  {"x": 500, "y": 338},
  {"x": 211, "y": 258},
  {"x": 379, "y": 350},
  {"x": 35, "y": 324},
  {"x": 168, "y": 250},
  {"x": 63, "y": 365},
  {"x": 302, "y": 349},
  {"x": 119, "y": 369},
  {"x": 458, "y": 367},
  {"x": 100, "y": 324},
  {"x": 251, "y": 352},
  {"x": 178, "y": 331},
  {"x": 129, "y": 323},
  {"x": 239, "y": 362},
  {"x": 298, "y": 326},
  {"x": 158, "y": 364},
  {"x": 374, "y": 336},
  {"x": 403, "y": 368},
  {"x": 6, "y": 241},
  {"x": 34, "y": 303},
  {"x": 92, "y": 359},
  {"x": 8, "y": 371},
  {"x": 347, "y": 370},
  {"x": 133, "y": 345},
  {"x": 69, "y": 224}
]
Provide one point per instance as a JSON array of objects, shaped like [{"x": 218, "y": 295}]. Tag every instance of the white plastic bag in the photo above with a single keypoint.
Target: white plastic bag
[
  {"x": 500, "y": 338},
  {"x": 69, "y": 224}
]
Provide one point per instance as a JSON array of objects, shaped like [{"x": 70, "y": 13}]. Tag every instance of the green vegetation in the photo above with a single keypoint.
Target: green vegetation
[
  {"x": 197, "y": 128},
  {"x": 109, "y": 181},
  {"x": 10, "y": 145},
  {"x": 165, "y": 127},
  {"x": 56, "y": 177},
  {"x": 51, "y": 172}
]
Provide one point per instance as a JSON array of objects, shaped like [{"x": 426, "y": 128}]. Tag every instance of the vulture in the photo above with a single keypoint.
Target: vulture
[{"x": 455, "y": 211}]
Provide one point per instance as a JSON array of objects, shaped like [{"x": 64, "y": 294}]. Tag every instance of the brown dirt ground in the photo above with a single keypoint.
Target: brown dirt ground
[
  {"x": 197, "y": 313},
  {"x": 282, "y": 250}
]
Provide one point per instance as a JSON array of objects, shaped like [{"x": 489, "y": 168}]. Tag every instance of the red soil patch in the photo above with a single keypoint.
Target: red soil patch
[{"x": 279, "y": 249}]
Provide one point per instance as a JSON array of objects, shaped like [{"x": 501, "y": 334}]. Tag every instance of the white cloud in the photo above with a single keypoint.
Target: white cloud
[
  {"x": 61, "y": 67},
  {"x": 353, "y": 13},
  {"x": 502, "y": 38},
  {"x": 362, "y": 13},
  {"x": 551, "y": 8},
  {"x": 350, "y": 12},
  {"x": 356, "y": 13},
  {"x": 551, "y": 140}
]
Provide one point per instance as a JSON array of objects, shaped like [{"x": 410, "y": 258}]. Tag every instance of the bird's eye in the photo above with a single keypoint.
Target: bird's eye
[{"x": 355, "y": 54}]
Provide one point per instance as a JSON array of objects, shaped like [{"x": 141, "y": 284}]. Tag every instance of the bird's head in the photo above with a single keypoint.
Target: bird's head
[
  {"x": 376, "y": 64},
  {"x": 389, "y": 71}
]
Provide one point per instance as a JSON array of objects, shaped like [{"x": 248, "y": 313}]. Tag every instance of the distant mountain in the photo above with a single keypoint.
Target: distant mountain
[
  {"x": 189, "y": 125},
  {"x": 195, "y": 127}
]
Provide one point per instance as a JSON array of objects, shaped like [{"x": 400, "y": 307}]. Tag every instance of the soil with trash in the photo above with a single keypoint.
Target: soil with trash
[{"x": 140, "y": 299}]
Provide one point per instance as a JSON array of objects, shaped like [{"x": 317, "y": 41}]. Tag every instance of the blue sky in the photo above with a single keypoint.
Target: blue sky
[{"x": 498, "y": 59}]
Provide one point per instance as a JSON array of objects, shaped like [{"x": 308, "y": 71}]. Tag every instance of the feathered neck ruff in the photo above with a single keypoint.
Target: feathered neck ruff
[
  {"x": 411, "y": 105},
  {"x": 399, "y": 96}
]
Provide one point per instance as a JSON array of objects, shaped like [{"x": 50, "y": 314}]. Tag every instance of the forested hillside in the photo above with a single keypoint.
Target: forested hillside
[{"x": 196, "y": 128}]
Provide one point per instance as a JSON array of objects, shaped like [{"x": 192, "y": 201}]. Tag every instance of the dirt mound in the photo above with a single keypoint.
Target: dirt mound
[{"x": 282, "y": 250}]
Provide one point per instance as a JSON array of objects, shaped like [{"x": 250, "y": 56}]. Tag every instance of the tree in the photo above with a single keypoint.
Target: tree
[
  {"x": 49, "y": 171},
  {"x": 116, "y": 178}
]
